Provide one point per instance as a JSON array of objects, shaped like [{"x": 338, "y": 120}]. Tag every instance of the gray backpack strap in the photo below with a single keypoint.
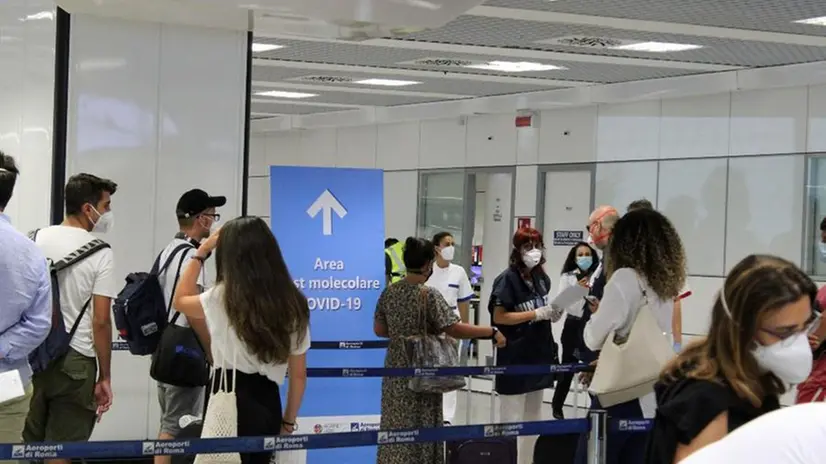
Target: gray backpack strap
[{"x": 80, "y": 254}]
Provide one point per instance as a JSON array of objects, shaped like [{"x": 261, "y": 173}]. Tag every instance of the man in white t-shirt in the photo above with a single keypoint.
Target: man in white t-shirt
[
  {"x": 196, "y": 213},
  {"x": 452, "y": 282},
  {"x": 792, "y": 435},
  {"x": 73, "y": 391}
]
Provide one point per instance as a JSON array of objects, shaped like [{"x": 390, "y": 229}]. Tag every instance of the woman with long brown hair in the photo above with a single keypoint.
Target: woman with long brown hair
[
  {"x": 259, "y": 324},
  {"x": 757, "y": 347}
]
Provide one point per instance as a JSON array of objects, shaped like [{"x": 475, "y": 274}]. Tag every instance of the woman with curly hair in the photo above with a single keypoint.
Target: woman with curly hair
[
  {"x": 756, "y": 348},
  {"x": 645, "y": 262}
]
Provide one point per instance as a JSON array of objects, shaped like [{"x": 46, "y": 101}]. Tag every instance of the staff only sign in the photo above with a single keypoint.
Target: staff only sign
[{"x": 329, "y": 223}]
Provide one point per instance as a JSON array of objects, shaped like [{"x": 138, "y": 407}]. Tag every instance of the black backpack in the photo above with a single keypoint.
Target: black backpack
[
  {"x": 140, "y": 309},
  {"x": 56, "y": 344}
]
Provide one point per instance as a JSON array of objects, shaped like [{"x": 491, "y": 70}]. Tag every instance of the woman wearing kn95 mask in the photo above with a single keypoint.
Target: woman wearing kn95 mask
[
  {"x": 757, "y": 348},
  {"x": 521, "y": 310},
  {"x": 452, "y": 282}
]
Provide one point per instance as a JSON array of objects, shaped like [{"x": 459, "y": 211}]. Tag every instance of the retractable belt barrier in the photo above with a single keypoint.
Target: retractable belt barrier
[{"x": 146, "y": 448}]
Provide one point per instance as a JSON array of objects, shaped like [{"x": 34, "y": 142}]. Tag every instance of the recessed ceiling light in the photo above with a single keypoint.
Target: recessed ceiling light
[
  {"x": 387, "y": 82},
  {"x": 283, "y": 94},
  {"x": 657, "y": 47},
  {"x": 514, "y": 66},
  {"x": 263, "y": 47},
  {"x": 819, "y": 21}
]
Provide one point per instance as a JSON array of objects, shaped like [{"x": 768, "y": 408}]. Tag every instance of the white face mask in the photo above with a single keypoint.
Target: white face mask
[
  {"x": 822, "y": 248},
  {"x": 531, "y": 258},
  {"x": 448, "y": 252},
  {"x": 790, "y": 360},
  {"x": 104, "y": 223}
]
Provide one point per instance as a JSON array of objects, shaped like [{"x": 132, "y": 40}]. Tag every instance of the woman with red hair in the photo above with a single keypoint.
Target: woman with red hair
[{"x": 520, "y": 310}]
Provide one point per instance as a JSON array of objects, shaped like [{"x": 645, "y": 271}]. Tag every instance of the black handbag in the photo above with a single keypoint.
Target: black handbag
[{"x": 180, "y": 359}]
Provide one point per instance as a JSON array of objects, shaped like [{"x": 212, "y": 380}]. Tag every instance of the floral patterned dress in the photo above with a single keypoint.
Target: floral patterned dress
[{"x": 399, "y": 309}]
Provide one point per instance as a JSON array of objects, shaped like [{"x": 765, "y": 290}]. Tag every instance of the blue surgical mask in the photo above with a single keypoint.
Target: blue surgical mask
[{"x": 584, "y": 262}]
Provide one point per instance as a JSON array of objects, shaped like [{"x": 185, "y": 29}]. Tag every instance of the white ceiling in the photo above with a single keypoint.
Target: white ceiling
[{"x": 733, "y": 34}]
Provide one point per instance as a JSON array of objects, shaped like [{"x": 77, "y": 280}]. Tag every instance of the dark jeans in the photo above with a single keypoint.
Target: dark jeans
[
  {"x": 623, "y": 447},
  {"x": 571, "y": 340},
  {"x": 259, "y": 409}
]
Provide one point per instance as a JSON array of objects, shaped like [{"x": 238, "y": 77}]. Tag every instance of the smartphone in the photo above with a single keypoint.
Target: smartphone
[{"x": 591, "y": 299}]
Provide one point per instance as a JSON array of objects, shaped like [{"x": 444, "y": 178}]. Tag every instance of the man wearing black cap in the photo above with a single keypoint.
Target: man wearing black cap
[{"x": 197, "y": 216}]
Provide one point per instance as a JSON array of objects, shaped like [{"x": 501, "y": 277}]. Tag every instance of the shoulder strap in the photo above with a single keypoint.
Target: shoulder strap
[
  {"x": 157, "y": 270},
  {"x": 80, "y": 254},
  {"x": 79, "y": 318},
  {"x": 175, "y": 287},
  {"x": 33, "y": 235}
]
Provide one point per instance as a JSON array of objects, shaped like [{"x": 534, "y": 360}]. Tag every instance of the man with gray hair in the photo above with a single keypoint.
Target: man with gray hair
[{"x": 600, "y": 226}]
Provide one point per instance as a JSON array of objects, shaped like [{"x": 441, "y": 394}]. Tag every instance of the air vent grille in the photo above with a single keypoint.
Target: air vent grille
[
  {"x": 587, "y": 42},
  {"x": 441, "y": 62},
  {"x": 324, "y": 79}
]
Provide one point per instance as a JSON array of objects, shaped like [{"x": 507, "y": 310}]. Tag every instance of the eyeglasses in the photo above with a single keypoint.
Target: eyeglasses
[
  {"x": 811, "y": 325},
  {"x": 215, "y": 216}
]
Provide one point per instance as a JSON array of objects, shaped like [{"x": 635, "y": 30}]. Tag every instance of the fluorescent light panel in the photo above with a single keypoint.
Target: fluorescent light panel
[
  {"x": 657, "y": 47},
  {"x": 514, "y": 66},
  {"x": 263, "y": 47},
  {"x": 283, "y": 94},
  {"x": 819, "y": 21},
  {"x": 386, "y": 82}
]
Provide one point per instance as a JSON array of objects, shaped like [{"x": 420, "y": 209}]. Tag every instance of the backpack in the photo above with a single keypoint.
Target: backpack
[
  {"x": 56, "y": 344},
  {"x": 140, "y": 309}
]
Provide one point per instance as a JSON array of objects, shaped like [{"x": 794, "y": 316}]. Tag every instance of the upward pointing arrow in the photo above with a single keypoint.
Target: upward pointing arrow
[{"x": 327, "y": 203}]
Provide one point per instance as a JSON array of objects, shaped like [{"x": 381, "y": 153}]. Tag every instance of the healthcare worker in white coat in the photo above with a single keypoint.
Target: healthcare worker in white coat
[{"x": 452, "y": 282}]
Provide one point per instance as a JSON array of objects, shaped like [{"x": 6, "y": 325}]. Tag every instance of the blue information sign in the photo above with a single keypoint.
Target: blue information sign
[{"x": 329, "y": 223}]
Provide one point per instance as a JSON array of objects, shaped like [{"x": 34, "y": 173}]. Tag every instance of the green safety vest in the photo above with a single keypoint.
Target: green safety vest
[{"x": 395, "y": 252}]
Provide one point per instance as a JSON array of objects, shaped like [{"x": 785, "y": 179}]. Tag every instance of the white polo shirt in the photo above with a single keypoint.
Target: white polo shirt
[{"x": 452, "y": 282}]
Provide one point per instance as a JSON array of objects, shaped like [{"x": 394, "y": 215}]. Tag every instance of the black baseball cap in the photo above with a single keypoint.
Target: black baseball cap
[{"x": 195, "y": 202}]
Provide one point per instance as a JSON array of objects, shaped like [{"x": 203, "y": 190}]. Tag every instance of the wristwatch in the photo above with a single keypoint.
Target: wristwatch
[{"x": 493, "y": 335}]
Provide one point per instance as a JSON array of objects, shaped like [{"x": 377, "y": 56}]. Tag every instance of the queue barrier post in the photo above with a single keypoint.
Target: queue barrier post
[{"x": 597, "y": 437}]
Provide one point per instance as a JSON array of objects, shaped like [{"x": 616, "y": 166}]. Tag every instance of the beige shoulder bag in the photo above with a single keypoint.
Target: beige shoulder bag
[{"x": 628, "y": 369}]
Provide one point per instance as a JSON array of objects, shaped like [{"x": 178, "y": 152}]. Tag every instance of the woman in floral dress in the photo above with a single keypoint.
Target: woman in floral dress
[{"x": 398, "y": 315}]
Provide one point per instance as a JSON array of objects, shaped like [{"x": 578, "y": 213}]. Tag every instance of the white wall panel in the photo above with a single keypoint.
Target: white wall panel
[
  {"x": 356, "y": 147},
  {"x": 692, "y": 193},
  {"x": 258, "y": 199},
  {"x": 397, "y": 147},
  {"x": 697, "y": 126},
  {"x": 317, "y": 148},
  {"x": 401, "y": 201},
  {"x": 765, "y": 207},
  {"x": 524, "y": 203},
  {"x": 284, "y": 149},
  {"x": 697, "y": 307},
  {"x": 618, "y": 184},
  {"x": 258, "y": 165},
  {"x": 817, "y": 118},
  {"x": 442, "y": 144},
  {"x": 26, "y": 92},
  {"x": 628, "y": 131},
  {"x": 568, "y": 136},
  {"x": 491, "y": 141},
  {"x": 137, "y": 115},
  {"x": 769, "y": 121},
  {"x": 527, "y": 144},
  {"x": 198, "y": 146}
]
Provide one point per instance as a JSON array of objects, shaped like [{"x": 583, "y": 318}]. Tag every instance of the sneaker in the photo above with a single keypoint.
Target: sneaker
[{"x": 446, "y": 424}]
